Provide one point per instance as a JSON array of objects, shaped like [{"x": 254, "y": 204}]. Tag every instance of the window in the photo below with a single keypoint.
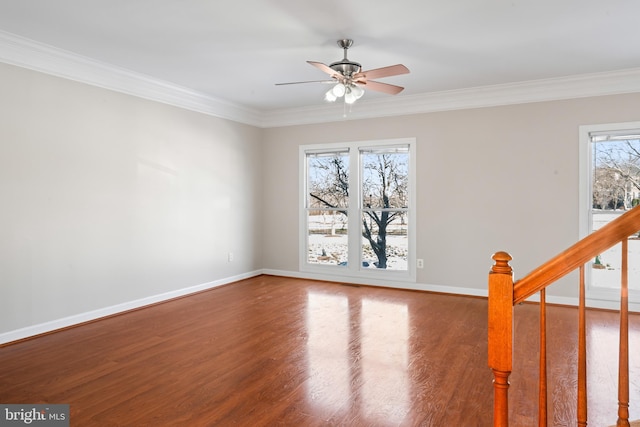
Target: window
[
  {"x": 610, "y": 179},
  {"x": 357, "y": 211}
]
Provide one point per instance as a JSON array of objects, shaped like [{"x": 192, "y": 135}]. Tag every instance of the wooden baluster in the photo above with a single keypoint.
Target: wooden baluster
[
  {"x": 582, "y": 356},
  {"x": 501, "y": 334},
  {"x": 623, "y": 365},
  {"x": 542, "y": 399}
]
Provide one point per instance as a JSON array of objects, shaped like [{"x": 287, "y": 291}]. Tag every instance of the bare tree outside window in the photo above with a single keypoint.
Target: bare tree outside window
[
  {"x": 384, "y": 191},
  {"x": 327, "y": 207},
  {"x": 616, "y": 173}
]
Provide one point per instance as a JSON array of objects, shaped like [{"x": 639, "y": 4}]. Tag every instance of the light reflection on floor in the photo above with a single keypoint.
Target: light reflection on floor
[
  {"x": 328, "y": 350},
  {"x": 363, "y": 347},
  {"x": 385, "y": 335}
]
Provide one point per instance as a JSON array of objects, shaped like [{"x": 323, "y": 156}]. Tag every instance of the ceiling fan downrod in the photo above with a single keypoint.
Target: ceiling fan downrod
[{"x": 345, "y": 44}]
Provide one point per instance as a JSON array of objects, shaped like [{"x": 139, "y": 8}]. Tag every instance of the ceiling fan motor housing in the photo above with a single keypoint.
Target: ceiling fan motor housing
[{"x": 346, "y": 68}]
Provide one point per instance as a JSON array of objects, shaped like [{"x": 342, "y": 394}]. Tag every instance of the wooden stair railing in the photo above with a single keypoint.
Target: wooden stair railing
[{"x": 504, "y": 294}]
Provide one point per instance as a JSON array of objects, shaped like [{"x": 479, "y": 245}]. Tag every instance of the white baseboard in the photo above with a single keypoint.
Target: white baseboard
[
  {"x": 386, "y": 283},
  {"x": 76, "y": 319}
]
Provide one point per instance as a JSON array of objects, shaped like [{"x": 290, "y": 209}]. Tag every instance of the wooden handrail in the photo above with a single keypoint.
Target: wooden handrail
[{"x": 577, "y": 255}]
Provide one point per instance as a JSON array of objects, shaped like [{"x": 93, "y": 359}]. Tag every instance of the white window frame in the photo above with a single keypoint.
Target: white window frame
[
  {"x": 354, "y": 270},
  {"x": 599, "y": 297}
]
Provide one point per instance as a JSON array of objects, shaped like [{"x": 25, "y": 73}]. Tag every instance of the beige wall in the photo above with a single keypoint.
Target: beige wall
[
  {"x": 107, "y": 198},
  {"x": 502, "y": 178}
]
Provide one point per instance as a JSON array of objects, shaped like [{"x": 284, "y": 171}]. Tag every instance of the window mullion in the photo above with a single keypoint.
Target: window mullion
[{"x": 354, "y": 211}]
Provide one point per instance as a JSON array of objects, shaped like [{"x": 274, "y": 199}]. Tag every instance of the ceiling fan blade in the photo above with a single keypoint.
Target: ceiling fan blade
[
  {"x": 308, "y": 81},
  {"x": 323, "y": 67},
  {"x": 391, "y": 70},
  {"x": 382, "y": 87}
]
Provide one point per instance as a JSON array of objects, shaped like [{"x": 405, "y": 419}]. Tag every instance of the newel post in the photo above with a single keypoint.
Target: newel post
[{"x": 501, "y": 334}]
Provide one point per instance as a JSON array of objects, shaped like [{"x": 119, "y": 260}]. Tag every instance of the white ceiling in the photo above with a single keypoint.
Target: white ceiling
[{"x": 237, "y": 50}]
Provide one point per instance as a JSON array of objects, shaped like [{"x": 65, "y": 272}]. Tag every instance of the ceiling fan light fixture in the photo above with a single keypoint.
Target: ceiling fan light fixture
[
  {"x": 350, "y": 91},
  {"x": 330, "y": 96},
  {"x": 339, "y": 90},
  {"x": 357, "y": 91},
  {"x": 350, "y": 97}
]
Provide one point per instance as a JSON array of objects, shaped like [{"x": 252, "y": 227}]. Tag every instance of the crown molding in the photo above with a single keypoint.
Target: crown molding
[{"x": 22, "y": 52}]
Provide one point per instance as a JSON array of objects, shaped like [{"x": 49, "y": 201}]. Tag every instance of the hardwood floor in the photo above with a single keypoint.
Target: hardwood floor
[{"x": 278, "y": 351}]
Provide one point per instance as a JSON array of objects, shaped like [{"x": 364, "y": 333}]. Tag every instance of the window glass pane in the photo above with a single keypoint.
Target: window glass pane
[
  {"x": 615, "y": 188},
  {"x": 327, "y": 237},
  {"x": 385, "y": 177},
  {"x": 327, "y": 180},
  {"x": 384, "y": 240},
  {"x": 616, "y": 174}
]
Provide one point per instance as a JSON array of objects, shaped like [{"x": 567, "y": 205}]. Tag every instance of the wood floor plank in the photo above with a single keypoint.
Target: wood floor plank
[{"x": 280, "y": 351}]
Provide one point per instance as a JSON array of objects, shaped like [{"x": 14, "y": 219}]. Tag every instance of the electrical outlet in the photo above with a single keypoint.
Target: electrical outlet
[
  {"x": 230, "y": 256},
  {"x": 420, "y": 263}
]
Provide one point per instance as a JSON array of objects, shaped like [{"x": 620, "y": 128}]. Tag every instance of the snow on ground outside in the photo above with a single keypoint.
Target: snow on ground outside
[{"x": 335, "y": 248}]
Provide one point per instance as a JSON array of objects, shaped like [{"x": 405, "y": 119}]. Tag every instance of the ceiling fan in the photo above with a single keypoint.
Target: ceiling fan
[{"x": 349, "y": 79}]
